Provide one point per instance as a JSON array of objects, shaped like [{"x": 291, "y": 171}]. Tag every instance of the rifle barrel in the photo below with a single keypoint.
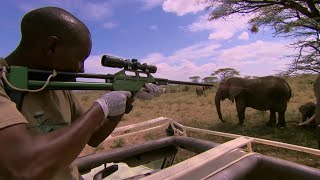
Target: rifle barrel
[
  {"x": 161, "y": 81},
  {"x": 188, "y": 83}
]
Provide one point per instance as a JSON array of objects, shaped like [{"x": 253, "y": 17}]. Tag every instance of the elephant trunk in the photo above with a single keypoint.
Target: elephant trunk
[{"x": 217, "y": 102}]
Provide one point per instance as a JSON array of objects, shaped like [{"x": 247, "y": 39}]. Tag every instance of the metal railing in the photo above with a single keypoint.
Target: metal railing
[{"x": 182, "y": 130}]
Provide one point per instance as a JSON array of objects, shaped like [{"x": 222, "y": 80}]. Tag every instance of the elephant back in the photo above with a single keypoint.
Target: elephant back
[{"x": 271, "y": 86}]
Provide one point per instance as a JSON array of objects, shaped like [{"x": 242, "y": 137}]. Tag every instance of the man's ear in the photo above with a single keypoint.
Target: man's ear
[{"x": 51, "y": 45}]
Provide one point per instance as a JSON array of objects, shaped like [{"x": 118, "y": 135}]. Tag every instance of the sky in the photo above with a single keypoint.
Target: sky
[{"x": 174, "y": 35}]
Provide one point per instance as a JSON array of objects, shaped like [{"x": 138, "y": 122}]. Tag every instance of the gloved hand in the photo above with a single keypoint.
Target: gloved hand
[
  {"x": 150, "y": 91},
  {"x": 114, "y": 103}
]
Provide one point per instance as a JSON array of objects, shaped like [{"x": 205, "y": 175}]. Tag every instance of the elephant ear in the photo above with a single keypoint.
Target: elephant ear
[{"x": 234, "y": 91}]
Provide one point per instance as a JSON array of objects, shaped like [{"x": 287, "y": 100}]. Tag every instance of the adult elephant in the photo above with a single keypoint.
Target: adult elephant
[
  {"x": 316, "y": 88},
  {"x": 262, "y": 93}
]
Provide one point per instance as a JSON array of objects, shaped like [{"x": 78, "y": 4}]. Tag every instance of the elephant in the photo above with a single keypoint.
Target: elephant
[
  {"x": 262, "y": 93},
  {"x": 316, "y": 88},
  {"x": 307, "y": 111},
  {"x": 200, "y": 91}
]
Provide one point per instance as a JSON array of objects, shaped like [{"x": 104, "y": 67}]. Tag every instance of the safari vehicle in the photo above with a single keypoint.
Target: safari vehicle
[{"x": 234, "y": 159}]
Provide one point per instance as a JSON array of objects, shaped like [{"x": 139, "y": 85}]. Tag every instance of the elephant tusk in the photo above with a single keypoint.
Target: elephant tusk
[{"x": 308, "y": 121}]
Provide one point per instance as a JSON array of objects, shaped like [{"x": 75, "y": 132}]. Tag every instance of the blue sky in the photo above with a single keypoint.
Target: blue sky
[{"x": 174, "y": 35}]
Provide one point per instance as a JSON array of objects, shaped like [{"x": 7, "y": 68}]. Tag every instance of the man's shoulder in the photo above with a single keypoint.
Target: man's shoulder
[
  {"x": 7, "y": 107},
  {"x": 3, "y": 63}
]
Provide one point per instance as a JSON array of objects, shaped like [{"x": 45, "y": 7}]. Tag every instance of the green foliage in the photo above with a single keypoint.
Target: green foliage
[
  {"x": 210, "y": 79},
  {"x": 254, "y": 29},
  {"x": 225, "y": 73},
  {"x": 195, "y": 78},
  {"x": 295, "y": 19}
]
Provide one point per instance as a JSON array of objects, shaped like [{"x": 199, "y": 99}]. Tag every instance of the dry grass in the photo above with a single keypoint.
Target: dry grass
[{"x": 181, "y": 104}]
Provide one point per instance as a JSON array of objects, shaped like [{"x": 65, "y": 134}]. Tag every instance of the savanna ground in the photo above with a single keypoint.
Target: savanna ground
[{"x": 181, "y": 104}]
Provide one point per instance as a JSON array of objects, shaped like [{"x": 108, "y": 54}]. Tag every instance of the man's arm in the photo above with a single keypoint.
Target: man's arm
[
  {"x": 27, "y": 156},
  {"x": 105, "y": 130}
]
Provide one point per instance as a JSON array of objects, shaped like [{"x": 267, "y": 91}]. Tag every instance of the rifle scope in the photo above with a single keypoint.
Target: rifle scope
[{"x": 111, "y": 61}]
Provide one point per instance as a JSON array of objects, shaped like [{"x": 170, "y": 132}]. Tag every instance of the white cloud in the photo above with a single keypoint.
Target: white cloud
[
  {"x": 244, "y": 36},
  {"x": 96, "y": 10},
  {"x": 154, "y": 58},
  {"x": 149, "y": 4},
  {"x": 184, "y": 63},
  {"x": 153, "y": 27},
  {"x": 109, "y": 25},
  {"x": 255, "y": 59},
  {"x": 182, "y": 7},
  {"x": 194, "y": 53},
  {"x": 222, "y": 28},
  {"x": 220, "y": 35},
  {"x": 184, "y": 70}
]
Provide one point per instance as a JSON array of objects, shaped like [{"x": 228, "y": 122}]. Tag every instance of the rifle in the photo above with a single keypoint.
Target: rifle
[{"x": 21, "y": 79}]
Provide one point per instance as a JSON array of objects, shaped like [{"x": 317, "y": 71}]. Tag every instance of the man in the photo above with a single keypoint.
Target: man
[{"x": 47, "y": 136}]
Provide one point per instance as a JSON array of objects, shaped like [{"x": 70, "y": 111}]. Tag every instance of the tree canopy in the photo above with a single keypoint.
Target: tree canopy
[
  {"x": 195, "y": 79},
  {"x": 225, "y": 73},
  {"x": 298, "y": 19},
  {"x": 210, "y": 79}
]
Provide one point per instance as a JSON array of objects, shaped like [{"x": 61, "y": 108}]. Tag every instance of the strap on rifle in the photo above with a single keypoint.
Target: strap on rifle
[{"x": 15, "y": 96}]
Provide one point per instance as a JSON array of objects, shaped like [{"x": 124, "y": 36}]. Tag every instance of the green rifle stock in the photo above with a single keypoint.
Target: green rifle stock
[{"x": 32, "y": 79}]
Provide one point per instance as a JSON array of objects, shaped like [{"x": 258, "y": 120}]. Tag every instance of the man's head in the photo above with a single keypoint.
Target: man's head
[{"x": 52, "y": 38}]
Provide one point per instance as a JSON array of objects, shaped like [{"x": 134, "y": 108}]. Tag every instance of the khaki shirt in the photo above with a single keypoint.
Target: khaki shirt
[
  {"x": 49, "y": 110},
  {"x": 43, "y": 112}
]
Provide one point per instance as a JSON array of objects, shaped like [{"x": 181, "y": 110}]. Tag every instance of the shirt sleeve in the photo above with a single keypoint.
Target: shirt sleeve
[{"x": 8, "y": 111}]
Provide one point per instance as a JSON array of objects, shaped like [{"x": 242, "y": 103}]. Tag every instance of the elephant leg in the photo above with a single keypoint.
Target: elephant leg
[
  {"x": 272, "y": 120},
  {"x": 241, "y": 109},
  {"x": 281, "y": 122}
]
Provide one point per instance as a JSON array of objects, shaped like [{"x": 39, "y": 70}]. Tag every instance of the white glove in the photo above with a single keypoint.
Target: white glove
[
  {"x": 114, "y": 103},
  {"x": 150, "y": 91}
]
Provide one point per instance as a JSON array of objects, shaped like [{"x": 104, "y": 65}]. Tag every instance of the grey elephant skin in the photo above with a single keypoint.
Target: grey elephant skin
[
  {"x": 200, "y": 91},
  {"x": 262, "y": 93},
  {"x": 316, "y": 88},
  {"x": 307, "y": 110}
]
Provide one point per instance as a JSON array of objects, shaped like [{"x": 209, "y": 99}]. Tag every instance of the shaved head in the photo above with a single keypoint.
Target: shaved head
[
  {"x": 52, "y": 21},
  {"x": 52, "y": 38}
]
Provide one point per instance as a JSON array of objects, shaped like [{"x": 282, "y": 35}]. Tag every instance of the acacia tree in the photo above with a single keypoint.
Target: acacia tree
[
  {"x": 298, "y": 19},
  {"x": 225, "y": 73},
  {"x": 195, "y": 79},
  {"x": 247, "y": 77},
  {"x": 210, "y": 79}
]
